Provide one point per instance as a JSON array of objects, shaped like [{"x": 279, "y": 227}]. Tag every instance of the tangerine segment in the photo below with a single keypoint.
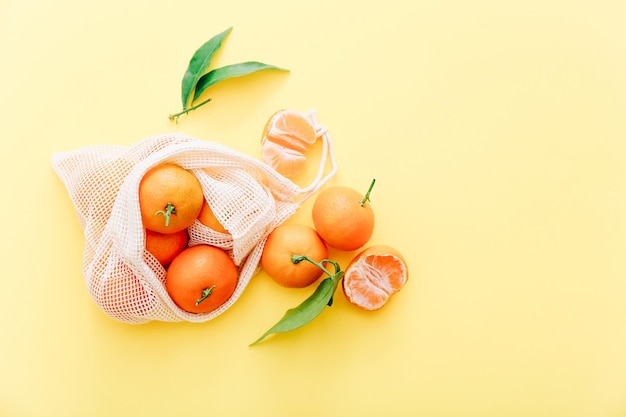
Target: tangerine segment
[
  {"x": 170, "y": 198},
  {"x": 289, "y": 240},
  {"x": 201, "y": 278},
  {"x": 373, "y": 276},
  {"x": 285, "y": 161},
  {"x": 290, "y": 129},
  {"x": 341, "y": 220}
]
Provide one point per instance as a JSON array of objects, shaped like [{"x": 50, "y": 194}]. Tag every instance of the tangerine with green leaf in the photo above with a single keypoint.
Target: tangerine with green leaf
[{"x": 283, "y": 245}]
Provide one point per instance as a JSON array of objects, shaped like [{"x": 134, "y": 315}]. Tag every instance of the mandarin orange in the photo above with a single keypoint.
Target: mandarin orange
[
  {"x": 287, "y": 135},
  {"x": 165, "y": 247},
  {"x": 290, "y": 129},
  {"x": 287, "y": 241},
  {"x": 201, "y": 278},
  {"x": 207, "y": 218},
  {"x": 343, "y": 217},
  {"x": 373, "y": 276},
  {"x": 170, "y": 198},
  {"x": 285, "y": 161}
]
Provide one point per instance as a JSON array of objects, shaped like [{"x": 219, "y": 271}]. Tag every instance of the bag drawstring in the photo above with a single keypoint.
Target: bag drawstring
[{"x": 328, "y": 155}]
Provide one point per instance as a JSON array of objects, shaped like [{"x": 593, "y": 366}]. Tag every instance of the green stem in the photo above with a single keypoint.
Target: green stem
[
  {"x": 299, "y": 258},
  {"x": 169, "y": 210},
  {"x": 205, "y": 294},
  {"x": 335, "y": 278},
  {"x": 367, "y": 195},
  {"x": 313, "y": 306},
  {"x": 175, "y": 116}
]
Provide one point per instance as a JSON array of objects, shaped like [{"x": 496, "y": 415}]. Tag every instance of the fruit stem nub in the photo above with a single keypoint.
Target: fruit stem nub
[
  {"x": 205, "y": 294},
  {"x": 367, "y": 195},
  {"x": 169, "y": 210}
]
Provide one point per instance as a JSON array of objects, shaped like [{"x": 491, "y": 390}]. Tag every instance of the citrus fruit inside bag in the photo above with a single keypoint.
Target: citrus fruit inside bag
[{"x": 246, "y": 195}]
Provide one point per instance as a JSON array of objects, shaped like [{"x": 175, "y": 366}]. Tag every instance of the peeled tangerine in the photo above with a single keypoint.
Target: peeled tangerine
[
  {"x": 373, "y": 276},
  {"x": 287, "y": 135},
  {"x": 287, "y": 162}
]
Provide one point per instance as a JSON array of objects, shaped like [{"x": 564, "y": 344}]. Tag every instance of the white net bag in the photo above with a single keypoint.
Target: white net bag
[{"x": 247, "y": 196}]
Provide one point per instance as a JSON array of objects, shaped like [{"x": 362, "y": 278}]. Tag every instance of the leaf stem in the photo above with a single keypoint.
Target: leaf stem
[
  {"x": 367, "y": 195},
  {"x": 335, "y": 278},
  {"x": 169, "y": 210},
  {"x": 175, "y": 116},
  {"x": 313, "y": 306},
  {"x": 205, "y": 294},
  {"x": 299, "y": 258}
]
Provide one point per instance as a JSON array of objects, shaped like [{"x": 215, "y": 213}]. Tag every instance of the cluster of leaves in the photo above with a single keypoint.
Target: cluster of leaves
[{"x": 196, "y": 79}]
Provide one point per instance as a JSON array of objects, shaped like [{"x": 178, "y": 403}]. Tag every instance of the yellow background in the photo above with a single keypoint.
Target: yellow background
[{"x": 496, "y": 132}]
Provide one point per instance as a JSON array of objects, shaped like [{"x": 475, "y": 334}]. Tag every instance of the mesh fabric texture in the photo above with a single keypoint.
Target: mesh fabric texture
[{"x": 247, "y": 196}]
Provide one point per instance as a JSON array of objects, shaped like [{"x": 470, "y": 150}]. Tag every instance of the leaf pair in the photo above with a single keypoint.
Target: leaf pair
[
  {"x": 311, "y": 307},
  {"x": 196, "y": 79}
]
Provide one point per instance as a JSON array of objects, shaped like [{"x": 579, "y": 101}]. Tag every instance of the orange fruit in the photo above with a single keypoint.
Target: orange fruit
[
  {"x": 374, "y": 275},
  {"x": 287, "y": 135},
  {"x": 289, "y": 240},
  {"x": 343, "y": 217},
  {"x": 207, "y": 218},
  {"x": 170, "y": 198},
  {"x": 201, "y": 278},
  {"x": 165, "y": 247}
]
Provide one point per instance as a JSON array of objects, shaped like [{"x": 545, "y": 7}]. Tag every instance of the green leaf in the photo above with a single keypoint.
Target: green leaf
[
  {"x": 199, "y": 63},
  {"x": 230, "y": 71},
  {"x": 308, "y": 309}
]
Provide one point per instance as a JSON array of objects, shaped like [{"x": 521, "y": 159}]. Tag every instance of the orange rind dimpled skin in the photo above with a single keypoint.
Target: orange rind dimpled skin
[
  {"x": 169, "y": 184},
  {"x": 207, "y": 218},
  {"x": 199, "y": 268},
  {"x": 341, "y": 220},
  {"x": 165, "y": 247},
  {"x": 284, "y": 242}
]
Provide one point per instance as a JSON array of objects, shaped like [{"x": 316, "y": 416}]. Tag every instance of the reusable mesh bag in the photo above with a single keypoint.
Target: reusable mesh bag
[{"x": 247, "y": 196}]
